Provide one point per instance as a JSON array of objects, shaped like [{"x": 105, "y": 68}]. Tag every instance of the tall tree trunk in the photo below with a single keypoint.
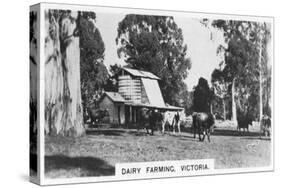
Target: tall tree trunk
[
  {"x": 63, "y": 108},
  {"x": 224, "y": 112},
  {"x": 234, "y": 112},
  {"x": 260, "y": 81}
]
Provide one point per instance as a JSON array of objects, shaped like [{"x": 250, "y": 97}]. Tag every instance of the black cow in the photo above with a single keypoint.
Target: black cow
[
  {"x": 203, "y": 123},
  {"x": 149, "y": 118},
  {"x": 265, "y": 126},
  {"x": 144, "y": 119},
  {"x": 96, "y": 115},
  {"x": 244, "y": 122}
]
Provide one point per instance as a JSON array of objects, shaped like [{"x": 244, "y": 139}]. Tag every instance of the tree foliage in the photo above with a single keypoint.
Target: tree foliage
[
  {"x": 241, "y": 62},
  {"x": 112, "y": 81},
  {"x": 155, "y": 44},
  {"x": 221, "y": 94},
  {"x": 202, "y": 96},
  {"x": 94, "y": 74}
]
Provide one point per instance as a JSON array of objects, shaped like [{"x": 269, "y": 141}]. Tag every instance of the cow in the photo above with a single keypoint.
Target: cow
[
  {"x": 218, "y": 116},
  {"x": 176, "y": 122},
  {"x": 150, "y": 118},
  {"x": 243, "y": 123},
  {"x": 167, "y": 120},
  {"x": 265, "y": 126},
  {"x": 145, "y": 120},
  {"x": 170, "y": 119},
  {"x": 203, "y": 124},
  {"x": 96, "y": 115}
]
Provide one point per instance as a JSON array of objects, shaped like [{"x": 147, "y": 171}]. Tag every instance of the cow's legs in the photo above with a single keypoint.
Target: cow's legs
[
  {"x": 147, "y": 128},
  {"x": 194, "y": 128},
  {"x": 194, "y": 131},
  {"x": 208, "y": 135},
  {"x": 204, "y": 134},
  {"x": 177, "y": 124},
  {"x": 163, "y": 127},
  {"x": 267, "y": 132},
  {"x": 199, "y": 134},
  {"x": 239, "y": 131},
  {"x": 174, "y": 127},
  {"x": 152, "y": 129}
]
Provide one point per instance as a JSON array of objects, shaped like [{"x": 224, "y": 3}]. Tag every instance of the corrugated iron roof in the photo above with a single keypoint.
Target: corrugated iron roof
[
  {"x": 115, "y": 97},
  {"x": 166, "y": 107},
  {"x": 153, "y": 92},
  {"x": 140, "y": 73}
]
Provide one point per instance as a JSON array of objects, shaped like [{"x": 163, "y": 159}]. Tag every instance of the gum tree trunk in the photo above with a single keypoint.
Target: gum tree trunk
[
  {"x": 234, "y": 114},
  {"x": 260, "y": 82},
  {"x": 63, "y": 108},
  {"x": 224, "y": 111}
]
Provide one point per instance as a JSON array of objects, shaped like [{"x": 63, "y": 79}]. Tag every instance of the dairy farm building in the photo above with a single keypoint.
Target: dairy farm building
[{"x": 136, "y": 89}]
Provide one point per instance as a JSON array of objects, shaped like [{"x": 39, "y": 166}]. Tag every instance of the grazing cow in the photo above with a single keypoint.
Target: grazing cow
[
  {"x": 150, "y": 118},
  {"x": 243, "y": 123},
  {"x": 96, "y": 115},
  {"x": 265, "y": 126},
  {"x": 176, "y": 122},
  {"x": 203, "y": 123},
  {"x": 145, "y": 120},
  {"x": 154, "y": 118},
  {"x": 167, "y": 119},
  {"x": 218, "y": 116}
]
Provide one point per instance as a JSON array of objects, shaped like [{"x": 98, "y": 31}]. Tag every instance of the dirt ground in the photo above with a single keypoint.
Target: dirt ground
[{"x": 96, "y": 153}]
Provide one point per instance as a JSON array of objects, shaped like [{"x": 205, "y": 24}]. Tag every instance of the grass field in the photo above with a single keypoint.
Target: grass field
[{"x": 96, "y": 153}]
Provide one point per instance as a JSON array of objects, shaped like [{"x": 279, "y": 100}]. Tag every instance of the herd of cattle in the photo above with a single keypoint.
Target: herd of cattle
[{"x": 202, "y": 123}]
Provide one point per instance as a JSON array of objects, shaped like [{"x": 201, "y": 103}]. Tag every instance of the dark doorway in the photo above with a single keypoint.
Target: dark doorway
[{"x": 119, "y": 114}]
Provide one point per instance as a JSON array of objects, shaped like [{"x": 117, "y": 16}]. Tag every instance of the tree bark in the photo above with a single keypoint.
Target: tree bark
[
  {"x": 224, "y": 112},
  {"x": 234, "y": 113},
  {"x": 260, "y": 81},
  {"x": 63, "y": 108}
]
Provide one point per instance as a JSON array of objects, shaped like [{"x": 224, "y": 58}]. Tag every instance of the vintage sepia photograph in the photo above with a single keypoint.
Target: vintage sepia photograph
[{"x": 130, "y": 86}]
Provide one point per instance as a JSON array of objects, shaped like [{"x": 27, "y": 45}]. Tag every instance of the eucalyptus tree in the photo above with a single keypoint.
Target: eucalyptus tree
[
  {"x": 63, "y": 104},
  {"x": 245, "y": 58},
  {"x": 155, "y": 44}
]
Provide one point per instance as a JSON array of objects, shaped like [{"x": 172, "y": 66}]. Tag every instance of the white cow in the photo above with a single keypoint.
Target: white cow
[{"x": 169, "y": 117}]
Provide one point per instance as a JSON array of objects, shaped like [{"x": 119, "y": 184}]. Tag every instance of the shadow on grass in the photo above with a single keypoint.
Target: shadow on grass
[
  {"x": 89, "y": 166},
  {"x": 257, "y": 138},
  {"x": 224, "y": 132},
  {"x": 116, "y": 132},
  {"x": 179, "y": 135},
  {"x": 106, "y": 132}
]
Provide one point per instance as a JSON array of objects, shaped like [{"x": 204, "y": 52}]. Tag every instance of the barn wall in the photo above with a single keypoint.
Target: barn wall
[
  {"x": 122, "y": 113},
  {"x": 112, "y": 108},
  {"x": 130, "y": 88},
  {"x": 106, "y": 103}
]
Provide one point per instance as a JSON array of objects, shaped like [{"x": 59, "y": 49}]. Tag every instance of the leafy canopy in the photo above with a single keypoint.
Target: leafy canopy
[{"x": 155, "y": 44}]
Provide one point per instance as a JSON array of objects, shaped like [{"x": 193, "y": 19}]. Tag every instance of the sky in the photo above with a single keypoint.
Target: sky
[{"x": 201, "y": 49}]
